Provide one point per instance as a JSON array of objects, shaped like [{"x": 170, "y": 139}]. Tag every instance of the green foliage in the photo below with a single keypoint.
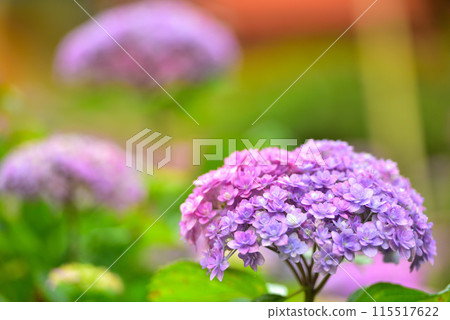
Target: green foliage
[
  {"x": 270, "y": 297},
  {"x": 187, "y": 281},
  {"x": 389, "y": 292},
  {"x": 34, "y": 239},
  {"x": 362, "y": 259}
]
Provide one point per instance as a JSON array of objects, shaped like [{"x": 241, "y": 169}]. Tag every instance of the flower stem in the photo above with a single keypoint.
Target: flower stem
[
  {"x": 309, "y": 294},
  {"x": 306, "y": 277},
  {"x": 316, "y": 275},
  {"x": 303, "y": 273},
  {"x": 294, "y": 271},
  {"x": 322, "y": 283},
  {"x": 308, "y": 269}
]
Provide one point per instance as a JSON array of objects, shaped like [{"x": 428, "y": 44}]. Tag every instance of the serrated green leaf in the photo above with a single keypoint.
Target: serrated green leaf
[
  {"x": 389, "y": 292},
  {"x": 187, "y": 281}
]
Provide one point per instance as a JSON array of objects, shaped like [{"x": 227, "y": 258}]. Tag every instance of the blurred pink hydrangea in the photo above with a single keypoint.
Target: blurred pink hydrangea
[
  {"x": 342, "y": 284},
  {"x": 173, "y": 41},
  {"x": 68, "y": 168}
]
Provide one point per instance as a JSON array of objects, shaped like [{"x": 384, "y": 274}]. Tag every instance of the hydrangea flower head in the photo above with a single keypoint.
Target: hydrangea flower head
[
  {"x": 66, "y": 168},
  {"x": 340, "y": 204},
  {"x": 173, "y": 41}
]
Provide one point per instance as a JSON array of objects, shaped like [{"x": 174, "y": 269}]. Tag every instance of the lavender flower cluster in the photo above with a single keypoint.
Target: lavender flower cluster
[
  {"x": 65, "y": 168},
  {"x": 173, "y": 41},
  {"x": 341, "y": 203}
]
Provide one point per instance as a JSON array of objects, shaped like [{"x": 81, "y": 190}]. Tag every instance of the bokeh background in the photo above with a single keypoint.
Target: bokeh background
[{"x": 383, "y": 87}]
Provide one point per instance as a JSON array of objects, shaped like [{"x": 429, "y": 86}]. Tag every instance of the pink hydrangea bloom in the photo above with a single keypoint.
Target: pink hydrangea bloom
[
  {"x": 173, "y": 41},
  {"x": 64, "y": 167},
  {"x": 342, "y": 285},
  {"x": 345, "y": 202}
]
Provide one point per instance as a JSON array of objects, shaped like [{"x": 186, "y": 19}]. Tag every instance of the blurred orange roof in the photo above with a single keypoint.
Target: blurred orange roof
[{"x": 253, "y": 19}]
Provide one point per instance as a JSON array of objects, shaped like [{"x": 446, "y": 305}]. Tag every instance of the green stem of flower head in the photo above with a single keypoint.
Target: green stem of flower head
[
  {"x": 296, "y": 274},
  {"x": 306, "y": 277},
  {"x": 303, "y": 273},
  {"x": 309, "y": 294},
  {"x": 316, "y": 275},
  {"x": 309, "y": 290},
  {"x": 72, "y": 215},
  {"x": 307, "y": 267},
  {"x": 322, "y": 283},
  {"x": 301, "y": 277}
]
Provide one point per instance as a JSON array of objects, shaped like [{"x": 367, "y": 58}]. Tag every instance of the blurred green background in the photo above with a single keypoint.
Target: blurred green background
[{"x": 383, "y": 87}]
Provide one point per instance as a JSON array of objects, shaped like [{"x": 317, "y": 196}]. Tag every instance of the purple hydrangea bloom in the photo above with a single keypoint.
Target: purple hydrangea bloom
[
  {"x": 322, "y": 235},
  {"x": 276, "y": 198},
  {"x": 323, "y": 178},
  {"x": 252, "y": 259},
  {"x": 293, "y": 249},
  {"x": 172, "y": 40},
  {"x": 244, "y": 241},
  {"x": 345, "y": 206},
  {"x": 228, "y": 223},
  {"x": 65, "y": 168},
  {"x": 295, "y": 217},
  {"x": 378, "y": 204},
  {"x": 216, "y": 263},
  {"x": 350, "y": 203},
  {"x": 397, "y": 216},
  {"x": 213, "y": 229},
  {"x": 403, "y": 241},
  {"x": 274, "y": 233},
  {"x": 326, "y": 259},
  {"x": 323, "y": 210},
  {"x": 261, "y": 219},
  {"x": 312, "y": 197},
  {"x": 369, "y": 238},
  {"x": 296, "y": 180},
  {"x": 346, "y": 243},
  {"x": 245, "y": 212},
  {"x": 358, "y": 194}
]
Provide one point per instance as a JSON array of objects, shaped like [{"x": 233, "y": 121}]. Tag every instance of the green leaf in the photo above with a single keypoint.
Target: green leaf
[
  {"x": 389, "y": 292},
  {"x": 362, "y": 259},
  {"x": 187, "y": 281},
  {"x": 270, "y": 297}
]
